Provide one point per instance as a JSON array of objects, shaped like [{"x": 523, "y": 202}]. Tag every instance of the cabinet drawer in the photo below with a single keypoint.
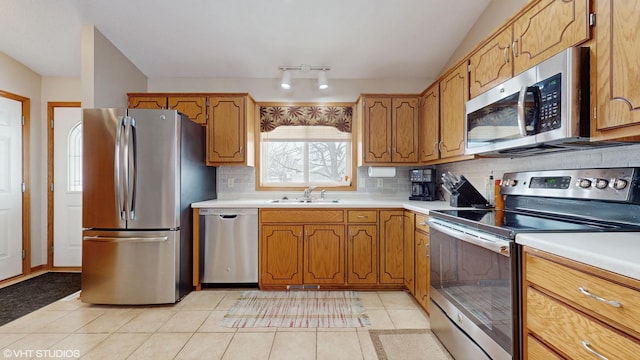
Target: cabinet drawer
[
  {"x": 306, "y": 216},
  {"x": 567, "y": 330},
  {"x": 566, "y": 282},
  {"x": 362, "y": 216},
  {"x": 421, "y": 222},
  {"x": 537, "y": 351}
]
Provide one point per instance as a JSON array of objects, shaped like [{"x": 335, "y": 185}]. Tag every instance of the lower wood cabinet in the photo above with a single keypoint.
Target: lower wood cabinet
[
  {"x": 574, "y": 311},
  {"x": 422, "y": 261},
  {"x": 323, "y": 254},
  {"x": 408, "y": 248},
  {"x": 362, "y": 254},
  {"x": 333, "y": 248},
  {"x": 281, "y": 254},
  {"x": 391, "y": 247}
]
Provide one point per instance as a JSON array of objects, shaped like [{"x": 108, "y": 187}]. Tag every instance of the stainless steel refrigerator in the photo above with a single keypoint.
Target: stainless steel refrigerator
[{"x": 142, "y": 169}]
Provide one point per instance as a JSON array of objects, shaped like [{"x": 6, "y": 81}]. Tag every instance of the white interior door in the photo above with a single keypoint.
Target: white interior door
[
  {"x": 10, "y": 188},
  {"x": 67, "y": 186}
]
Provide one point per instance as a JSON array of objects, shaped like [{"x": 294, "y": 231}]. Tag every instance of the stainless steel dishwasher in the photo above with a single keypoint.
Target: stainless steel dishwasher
[{"x": 230, "y": 246}]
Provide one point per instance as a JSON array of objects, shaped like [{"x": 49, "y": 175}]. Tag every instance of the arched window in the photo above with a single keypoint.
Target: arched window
[{"x": 74, "y": 158}]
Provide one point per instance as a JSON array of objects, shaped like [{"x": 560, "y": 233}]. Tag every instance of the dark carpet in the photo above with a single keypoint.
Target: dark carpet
[{"x": 29, "y": 295}]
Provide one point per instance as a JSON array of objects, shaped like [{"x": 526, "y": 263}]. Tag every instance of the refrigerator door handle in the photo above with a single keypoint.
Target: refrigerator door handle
[
  {"x": 118, "y": 168},
  {"x": 126, "y": 239},
  {"x": 127, "y": 175},
  {"x": 133, "y": 169}
]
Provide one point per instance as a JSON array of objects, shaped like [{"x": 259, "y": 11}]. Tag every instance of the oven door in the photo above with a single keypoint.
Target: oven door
[{"x": 474, "y": 287}]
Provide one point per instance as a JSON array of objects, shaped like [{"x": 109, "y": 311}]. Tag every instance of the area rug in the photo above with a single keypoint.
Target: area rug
[
  {"x": 29, "y": 295},
  {"x": 405, "y": 344},
  {"x": 297, "y": 309}
]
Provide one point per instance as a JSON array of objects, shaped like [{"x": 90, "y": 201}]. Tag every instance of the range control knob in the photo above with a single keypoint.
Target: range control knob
[
  {"x": 618, "y": 184},
  {"x": 602, "y": 183},
  {"x": 512, "y": 182},
  {"x": 584, "y": 183}
]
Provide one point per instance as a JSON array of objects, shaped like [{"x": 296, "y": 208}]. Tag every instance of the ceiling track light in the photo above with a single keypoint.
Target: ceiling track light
[{"x": 323, "y": 82}]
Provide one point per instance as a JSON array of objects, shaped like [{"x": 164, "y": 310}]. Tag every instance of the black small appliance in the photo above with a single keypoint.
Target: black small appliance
[{"x": 422, "y": 184}]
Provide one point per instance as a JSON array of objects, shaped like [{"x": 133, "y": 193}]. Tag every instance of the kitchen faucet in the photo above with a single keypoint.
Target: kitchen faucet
[{"x": 307, "y": 193}]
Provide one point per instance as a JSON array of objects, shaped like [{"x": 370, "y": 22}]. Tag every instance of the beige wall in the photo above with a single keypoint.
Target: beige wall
[
  {"x": 107, "y": 75},
  {"x": 496, "y": 13}
]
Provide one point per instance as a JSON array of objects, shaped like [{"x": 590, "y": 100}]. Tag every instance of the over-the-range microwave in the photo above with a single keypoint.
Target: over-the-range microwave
[{"x": 545, "y": 108}]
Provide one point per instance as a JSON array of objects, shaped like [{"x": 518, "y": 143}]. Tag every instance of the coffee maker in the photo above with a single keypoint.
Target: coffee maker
[{"x": 422, "y": 184}]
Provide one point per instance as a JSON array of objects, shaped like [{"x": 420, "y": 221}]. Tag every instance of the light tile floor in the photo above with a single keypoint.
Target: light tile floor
[{"x": 189, "y": 330}]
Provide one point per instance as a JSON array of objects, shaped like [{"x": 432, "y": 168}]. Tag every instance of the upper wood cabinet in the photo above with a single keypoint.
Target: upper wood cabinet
[
  {"x": 388, "y": 129},
  {"x": 454, "y": 93},
  {"x": 145, "y": 101},
  {"x": 430, "y": 123},
  {"x": 192, "y": 105},
  {"x": 230, "y": 130},
  {"x": 543, "y": 30},
  {"x": 616, "y": 114},
  {"x": 195, "y": 107}
]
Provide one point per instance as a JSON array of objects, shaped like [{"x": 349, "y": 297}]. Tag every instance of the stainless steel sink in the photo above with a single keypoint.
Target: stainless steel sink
[{"x": 304, "y": 201}]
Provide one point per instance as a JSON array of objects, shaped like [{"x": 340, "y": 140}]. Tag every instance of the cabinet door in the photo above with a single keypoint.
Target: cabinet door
[
  {"x": 377, "y": 130},
  {"x": 281, "y": 255},
  {"x": 148, "y": 102},
  {"x": 408, "y": 261},
  {"x": 422, "y": 268},
  {"x": 548, "y": 28},
  {"x": 362, "y": 254},
  {"x": 226, "y": 130},
  {"x": 430, "y": 123},
  {"x": 453, "y": 95},
  {"x": 323, "y": 254},
  {"x": 391, "y": 247},
  {"x": 404, "y": 130},
  {"x": 195, "y": 107},
  {"x": 491, "y": 64},
  {"x": 617, "y": 54}
]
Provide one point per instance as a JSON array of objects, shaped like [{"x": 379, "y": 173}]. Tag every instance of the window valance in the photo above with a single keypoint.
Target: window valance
[{"x": 339, "y": 117}]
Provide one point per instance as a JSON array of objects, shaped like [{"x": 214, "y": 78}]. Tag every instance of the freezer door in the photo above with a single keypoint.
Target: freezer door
[
  {"x": 130, "y": 268},
  {"x": 154, "y": 169},
  {"x": 102, "y": 198}
]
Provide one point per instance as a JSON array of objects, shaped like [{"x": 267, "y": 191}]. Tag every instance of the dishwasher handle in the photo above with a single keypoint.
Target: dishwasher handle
[{"x": 229, "y": 216}]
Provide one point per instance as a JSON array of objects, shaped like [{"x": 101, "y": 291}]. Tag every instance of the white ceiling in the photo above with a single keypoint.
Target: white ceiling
[{"x": 358, "y": 39}]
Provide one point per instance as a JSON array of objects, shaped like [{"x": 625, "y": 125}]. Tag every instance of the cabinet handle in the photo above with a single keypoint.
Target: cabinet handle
[
  {"x": 363, "y": 217},
  {"x": 587, "y": 346},
  {"x": 506, "y": 56},
  {"x": 514, "y": 51},
  {"x": 610, "y": 302}
]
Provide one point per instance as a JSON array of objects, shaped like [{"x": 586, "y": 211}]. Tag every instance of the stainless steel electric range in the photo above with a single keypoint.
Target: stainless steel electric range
[{"x": 475, "y": 261}]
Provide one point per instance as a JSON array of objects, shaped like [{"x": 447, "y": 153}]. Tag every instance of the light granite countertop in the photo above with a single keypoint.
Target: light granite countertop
[{"x": 618, "y": 252}]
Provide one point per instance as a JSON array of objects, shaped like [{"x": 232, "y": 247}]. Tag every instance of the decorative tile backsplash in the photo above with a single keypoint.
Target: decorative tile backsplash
[{"x": 477, "y": 171}]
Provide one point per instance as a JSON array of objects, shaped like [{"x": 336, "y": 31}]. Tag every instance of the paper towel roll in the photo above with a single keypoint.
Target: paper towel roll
[{"x": 382, "y": 171}]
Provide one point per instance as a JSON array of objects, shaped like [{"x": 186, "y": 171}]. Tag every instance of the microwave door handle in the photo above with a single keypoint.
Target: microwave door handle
[
  {"x": 118, "y": 168},
  {"x": 522, "y": 126}
]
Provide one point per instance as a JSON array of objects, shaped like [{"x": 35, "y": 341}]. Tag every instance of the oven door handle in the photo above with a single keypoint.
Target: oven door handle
[{"x": 487, "y": 241}]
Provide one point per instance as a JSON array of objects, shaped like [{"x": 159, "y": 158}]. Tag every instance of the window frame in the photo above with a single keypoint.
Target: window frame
[{"x": 258, "y": 149}]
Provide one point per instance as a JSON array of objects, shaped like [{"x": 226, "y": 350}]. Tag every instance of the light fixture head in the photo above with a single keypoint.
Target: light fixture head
[
  {"x": 323, "y": 83},
  {"x": 285, "y": 83}
]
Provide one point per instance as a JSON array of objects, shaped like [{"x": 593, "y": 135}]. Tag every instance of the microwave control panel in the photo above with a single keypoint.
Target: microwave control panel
[{"x": 550, "y": 95}]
